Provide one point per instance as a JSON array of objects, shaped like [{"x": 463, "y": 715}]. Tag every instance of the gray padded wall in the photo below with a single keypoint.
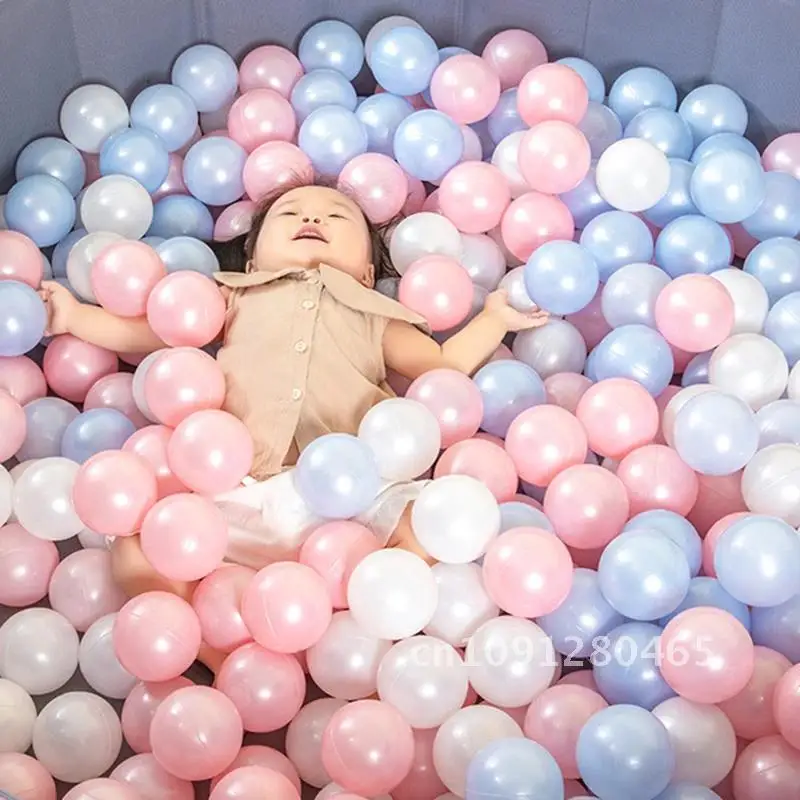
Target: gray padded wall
[{"x": 49, "y": 46}]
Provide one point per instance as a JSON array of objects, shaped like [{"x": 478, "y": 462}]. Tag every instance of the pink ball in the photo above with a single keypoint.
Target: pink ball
[
  {"x": 254, "y": 783},
  {"x": 157, "y": 636},
  {"x": 483, "y": 460},
  {"x": 22, "y": 379},
  {"x": 474, "y": 195},
  {"x": 257, "y": 755},
  {"x": 184, "y": 537},
  {"x": 236, "y": 220},
  {"x": 565, "y": 389},
  {"x": 368, "y": 747},
  {"x": 83, "y": 588},
  {"x": 532, "y": 220},
  {"x": 706, "y": 655},
  {"x": 581, "y": 677},
  {"x": 25, "y": 777},
  {"x": 768, "y": 769},
  {"x": 102, "y": 789},
  {"x": 681, "y": 358},
  {"x": 287, "y": 607},
  {"x": 377, "y": 183},
  {"x": 26, "y": 566},
  {"x": 186, "y": 309},
  {"x": 182, "y": 381},
  {"x": 431, "y": 203},
  {"x": 662, "y": 401},
  {"x": 267, "y": 688},
  {"x": 333, "y": 551},
  {"x": 453, "y": 399},
  {"x": 555, "y": 718},
  {"x": 783, "y": 155},
  {"x": 785, "y": 705},
  {"x": 741, "y": 241},
  {"x": 655, "y": 476},
  {"x": 590, "y": 322},
  {"x": 210, "y": 451},
  {"x": 552, "y": 92},
  {"x": 270, "y": 67},
  {"x": 512, "y": 53},
  {"x": 304, "y": 739},
  {"x": 574, "y": 790},
  {"x": 422, "y": 781},
  {"x": 466, "y": 88},
  {"x": 587, "y": 505},
  {"x": 151, "y": 444},
  {"x": 146, "y": 776},
  {"x": 415, "y": 198},
  {"x": 717, "y": 496},
  {"x": 543, "y": 441},
  {"x": 173, "y": 183},
  {"x": 273, "y": 165},
  {"x": 694, "y": 313},
  {"x": 113, "y": 491},
  {"x": 123, "y": 276},
  {"x": 260, "y": 116},
  {"x": 72, "y": 366},
  {"x": 712, "y": 537},
  {"x": 140, "y": 707},
  {"x": 527, "y": 572},
  {"x": 20, "y": 259},
  {"x": 473, "y": 149},
  {"x": 196, "y": 733},
  {"x": 618, "y": 415},
  {"x": 752, "y": 712},
  {"x": 554, "y": 157},
  {"x": 439, "y": 289},
  {"x": 115, "y": 391},
  {"x": 14, "y": 425},
  {"x": 217, "y": 601}
]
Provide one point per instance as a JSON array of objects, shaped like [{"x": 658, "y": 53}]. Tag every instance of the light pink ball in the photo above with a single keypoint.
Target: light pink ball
[
  {"x": 123, "y": 276},
  {"x": 140, "y": 707},
  {"x": 465, "y": 87},
  {"x": 254, "y": 783},
  {"x": 149, "y": 779},
  {"x": 72, "y": 366},
  {"x": 270, "y": 67},
  {"x": 273, "y": 165},
  {"x": 474, "y": 195},
  {"x": 22, "y": 379},
  {"x": 512, "y": 53},
  {"x": 260, "y": 116},
  {"x": 483, "y": 460},
  {"x": 217, "y": 601},
  {"x": 116, "y": 391},
  {"x": 236, "y": 220},
  {"x": 14, "y": 425},
  {"x": 26, "y": 566},
  {"x": 552, "y": 92},
  {"x": 102, "y": 789},
  {"x": 151, "y": 444},
  {"x": 565, "y": 389},
  {"x": 257, "y": 755},
  {"x": 25, "y": 778},
  {"x": 377, "y": 183},
  {"x": 438, "y": 289},
  {"x": 20, "y": 259},
  {"x": 533, "y": 219}
]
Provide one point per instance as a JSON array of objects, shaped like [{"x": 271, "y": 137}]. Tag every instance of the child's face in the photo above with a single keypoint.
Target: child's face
[{"x": 314, "y": 225}]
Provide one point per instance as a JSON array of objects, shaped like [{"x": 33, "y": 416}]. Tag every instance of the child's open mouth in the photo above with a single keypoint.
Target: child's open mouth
[{"x": 309, "y": 232}]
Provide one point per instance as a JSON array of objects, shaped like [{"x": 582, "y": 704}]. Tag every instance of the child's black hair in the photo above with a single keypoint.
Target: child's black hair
[{"x": 233, "y": 255}]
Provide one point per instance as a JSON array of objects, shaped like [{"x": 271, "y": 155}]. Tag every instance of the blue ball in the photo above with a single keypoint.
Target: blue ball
[
  {"x": 696, "y": 371},
  {"x": 212, "y": 170},
  {"x": 629, "y": 296},
  {"x": 677, "y": 202},
  {"x": 54, "y": 157},
  {"x": 62, "y": 250},
  {"x": 617, "y": 238},
  {"x": 776, "y": 265},
  {"x": 728, "y": 186},
  {"x": 332, "y": 44},
  {"x": 505, "y": 119},
  {"x": 713, "y": 109},
  {"x": 664, "y": 129},
  {"x": 94, "y": 431},
  {"x": 708, "y": 593},
  {"x": 693, "y": 244},
  {"x": 444, "y": 54},
  {"x": 208, "y": 75},
  {"x": 644, "y": 575},
  {"x": 42, "y": 208},
  {"x": 601, "y": 127},
  {"x": 779, "y": 214},
  {"x": 516, "y": 514},
  {"x": 403, "y": 60},
  {"x": 757, "y": 561},
  {"x": 381, "y": 116},
  {"x": 507, "y": 389},
  {"x": 181, "y": 215},
  {"x": 22, "y": 318},
  {"x": 514, "y": 768},
  {"x": 322, "y": 87},
  {"x": 676, "y": 528},
  {"x": 625, "y": 752},
  {"x": 778, "y": 423},
  {"x": 584, "y": 616},
  {"x": 562, "y": 277},
  {"x": 722, "y": 142},
  {"x": 687, "y": 791},
  {"x": 782, "y": 326},
  {"x": 636, "y": 352},
  {"x": 641, "y": 88},
  {"x": 167, "y": 111},
  {"x": 584, "y": 201},
  {"x": 778, "y": 628},
  {"x": 331, "y": 136},
  {"x": 181, "y": 253},
  {"x": 625, "y": 666},
  {"x": 428, "y": 144},
  {"x": 138, "y": 153},
  {"x": 592, "y": 77}
]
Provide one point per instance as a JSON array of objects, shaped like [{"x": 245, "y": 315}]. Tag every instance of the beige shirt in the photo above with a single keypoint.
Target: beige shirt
[{"x": 303, "y": 357}]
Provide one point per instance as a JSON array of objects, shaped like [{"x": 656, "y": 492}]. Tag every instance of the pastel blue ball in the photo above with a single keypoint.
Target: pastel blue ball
[
  {"x": 776, "y": 265},
  {"x": 212, "y": 170},
  {"x": 782, "y": 326},
  {"x": 94, "y": 431},
  {"x": 167, "y": 111},
  {"x": 677, "y": 202},
  {"x": 584, "y": 201},
  {"x": 708, "y": 592},
  {"x": 138, "y": 153},
  {"x": 403, "y": 60},
  {"x": 332, "y": 44},
  {"x": 778, "y": 628},
  {"x": 636, "y": 352},
  {"x": 664, "y": 129},
  {"x": 713, "y": 108},
  {"x": 186, "y": 253},
  {"x": 181, "y": 215},
  {"x": 562, "y": 277},
  {"x": 507, "y": 389},
  {"x": 42, "y": 208},
  {"x": 322, "y": 87},
  {"x": 722, "y": 142},
  {"x": 331, "y": 136},
  {"x": 693, "y": 244},
  {"x": 676, "y": 528},
  {"x": 54, "y": 157},
  {"x": 22, "y": 318},
  {"x": 779, "y": 213},
  {"x": 640, "y": 88},
  {"x": 617, "y": 238},
  {"x": 728, "y": 186},
  {"x": 592, "y": 77},
  {"x": 381, "y": 115},
  {"x": 428, "y": 144},
  {"x": 208, "y": 75}
]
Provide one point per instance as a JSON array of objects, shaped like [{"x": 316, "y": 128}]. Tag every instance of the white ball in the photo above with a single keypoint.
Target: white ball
[
  {"x": 506, "y": 159},
  {"x": 680, "y": 399},
  {"x": 750, "y": 299},
  {"x": 771, "y": 483},
  {"x": 392, "y": 594},
  {"x": 455, "y": 518},
  {"x": 98, "y": 661},
  {"x": 91, "y": 114},
  {"x": 81, "y": 258},
  {"x": 633, "y": 175},
  {"x": 483, "y": 259},
  {"x": 6, "y": 494},
  {"x": 17, "y": 716},
  {"x": 751, "y": 367},
  {"x": 793, "y": 386},
  {"x": 117, "y": 204},
  {"x": 423, "y": 234}
]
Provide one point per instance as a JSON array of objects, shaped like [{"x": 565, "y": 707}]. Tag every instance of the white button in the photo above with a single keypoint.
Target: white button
[
  {"x": 301, "y": 346},
  {"x": 308, "y": 304},
  {"x": 296, "y": 394},
  {"x": 313, "y": 280}
]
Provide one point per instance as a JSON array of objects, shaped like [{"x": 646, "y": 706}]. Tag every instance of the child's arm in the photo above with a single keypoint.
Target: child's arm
[
  {"x": 411, "y": 353},
  {"x": 95, "y": 325}
]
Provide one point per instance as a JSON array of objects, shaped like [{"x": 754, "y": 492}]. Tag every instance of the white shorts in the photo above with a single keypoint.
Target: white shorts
[{"x": 268, "y": 520}]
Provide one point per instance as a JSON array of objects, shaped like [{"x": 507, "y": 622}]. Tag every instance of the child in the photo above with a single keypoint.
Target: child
[{"x": 306, "y": 345}]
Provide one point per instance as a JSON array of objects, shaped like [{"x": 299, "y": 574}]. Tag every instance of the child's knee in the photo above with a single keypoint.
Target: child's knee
[{"x": 135, "y": 575}]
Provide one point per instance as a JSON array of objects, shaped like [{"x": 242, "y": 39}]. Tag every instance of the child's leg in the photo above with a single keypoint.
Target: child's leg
[{"x": 403, "y": 537}]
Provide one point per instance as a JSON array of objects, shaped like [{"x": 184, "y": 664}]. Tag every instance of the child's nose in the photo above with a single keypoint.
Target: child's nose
[{"x": 315, "y": 220}]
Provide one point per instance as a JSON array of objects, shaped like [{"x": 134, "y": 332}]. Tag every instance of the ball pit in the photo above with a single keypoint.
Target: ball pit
[{"x": 653, "y": 425}]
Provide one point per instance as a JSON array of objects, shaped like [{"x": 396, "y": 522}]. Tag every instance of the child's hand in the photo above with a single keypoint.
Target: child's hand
[
  {"x": 60, "y": 305},
  {"x": 497, "y": 305}
]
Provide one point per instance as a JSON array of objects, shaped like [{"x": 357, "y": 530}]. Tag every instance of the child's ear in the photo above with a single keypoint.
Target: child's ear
[{"x": 368, "y": 278}]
